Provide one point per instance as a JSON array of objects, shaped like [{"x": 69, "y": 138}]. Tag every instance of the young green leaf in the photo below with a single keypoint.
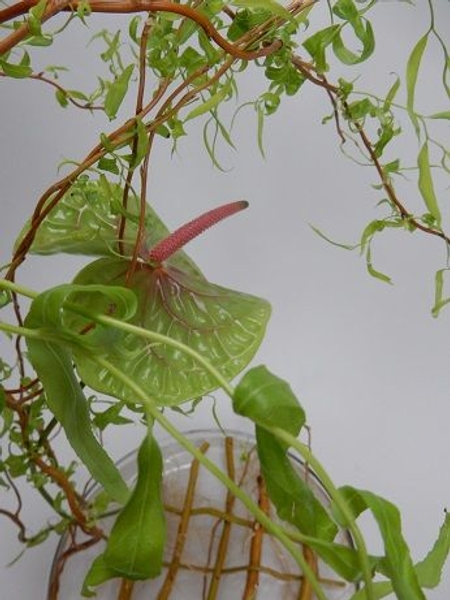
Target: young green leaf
[
  {"x": 117, "y": 91},
  {"x": 136, "y": 543},
  {"x": 212, "y": 102},
  {"x": 439, "y": 300},
  {"x": 412, "y": 72},
  {"x": 426, "y": 185}
]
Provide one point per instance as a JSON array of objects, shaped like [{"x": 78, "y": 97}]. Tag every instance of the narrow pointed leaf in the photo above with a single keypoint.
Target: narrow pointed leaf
[
  {"x": 117, "y": 91},
  {"x": 412, "y": 72},
  {"x": 426, "y": 185},
  {"x": 397, "y": 563}
]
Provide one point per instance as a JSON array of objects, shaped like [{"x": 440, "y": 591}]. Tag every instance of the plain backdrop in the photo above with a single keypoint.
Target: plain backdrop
[{"x": 367, "y": 360}]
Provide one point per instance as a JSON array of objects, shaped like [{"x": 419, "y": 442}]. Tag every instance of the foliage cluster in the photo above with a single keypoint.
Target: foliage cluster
[{"x": 141, "y": 325}]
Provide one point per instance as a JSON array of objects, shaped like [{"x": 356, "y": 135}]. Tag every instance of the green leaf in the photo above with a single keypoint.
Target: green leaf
[
  {"x": 426, "y": 185},
  {"x": 397, "y": 563},
  {"x": 244, "y": 21},
  {"x": 61, "y": 97},
  {"x": 441, "y": 115},
  {"x": 364, "y": 33},
  {"x": 98, "y": 573},
  {"x": 136, "y": 543},
  {"x": 212, "y": 102},
  {"x": 18, "y": 71},
  {"x": 35, "y": 15},
  {"x": 270, "y": 6},
  {"x": 109, "y": 164},
  {"x": 86, "y": 221},
  {"x": 429, "y": 570},
  {"x": 141, "y": 143},
  {"x": 269, "y": 400},
  {"x": 373, "y": 272},
  {"x": 52, "y": 361},
  {"x": 224, "y": 326},
  {"x": 390, "y": 96},
  {"x": 117, "y": 91},
  {"x": 439, "y": 300},
  {"x": 412, "y": 72},
  {"x": 317, "y": 44}
]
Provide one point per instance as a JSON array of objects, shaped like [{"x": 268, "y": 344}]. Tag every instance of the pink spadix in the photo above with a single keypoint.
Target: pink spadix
[{"x": 184, "y": 234}]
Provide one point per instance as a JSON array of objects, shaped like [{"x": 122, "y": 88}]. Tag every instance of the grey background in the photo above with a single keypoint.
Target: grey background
[{"x": 367, "y": 360}]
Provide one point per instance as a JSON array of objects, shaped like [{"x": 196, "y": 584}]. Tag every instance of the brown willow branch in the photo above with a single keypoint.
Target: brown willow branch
[
  {"x": 41, "y": 77},
  {"x": 58, "y": 567},
  {"x": 133, "y": 6},
  {"x": 139, "y": 107},
  {"x": 183, "y": 525},
  {"x": 53, "y": 8},
  {"x": 306, "y": 591},
  {"x": 333, "y": 93},
  {"x": 73, "y": 500},
  {"x": 256, "y": 545},
  {"x": 226, "y": 526},
  {"x": 126, "y": 589},
  {"x": 333, "y": 583}
]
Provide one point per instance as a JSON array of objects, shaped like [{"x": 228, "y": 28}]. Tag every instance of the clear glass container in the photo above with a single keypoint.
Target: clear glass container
[{"x": 225, "y": 555}]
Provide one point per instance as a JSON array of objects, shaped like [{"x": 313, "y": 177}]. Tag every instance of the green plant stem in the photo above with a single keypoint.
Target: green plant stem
[{"x": 276, "y": 530}]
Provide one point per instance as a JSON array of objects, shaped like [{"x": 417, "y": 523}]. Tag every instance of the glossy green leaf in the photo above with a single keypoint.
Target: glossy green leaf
[
  {"x": 426, "y": 185},
  {"x": 397, "y": 563},
  {"x": 86, "y": 221},
  {"x": 117, "y": 91},
  {"x": 373, "y": 272},
  {"x": 52, "y": 361},
  {"x": 412, "y": 72},
  {"x": 136, "y": 543},
  {"x": 268, "y": 400},
  {"x": 224, "y": 326}
]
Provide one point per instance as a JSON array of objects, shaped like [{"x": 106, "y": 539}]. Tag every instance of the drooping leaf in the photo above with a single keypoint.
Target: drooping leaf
[
  {"x": 412, "y": 73},
  {"x": 268, "y": 400},
  {"x": 426, "y": 185},
  {"x": 397, "y": 564},
  {"x": 136, "y": 543},
  {"x": 346, "y": 9},
  {"x": 52, "y": 361},
  {"x": 117, "y": 91},
  {"x": 224, "y": 326},
  {"x": 439, "y": 300},
  {"x": 98, "y": 573},
  {"x": 428, "y": 571}
]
